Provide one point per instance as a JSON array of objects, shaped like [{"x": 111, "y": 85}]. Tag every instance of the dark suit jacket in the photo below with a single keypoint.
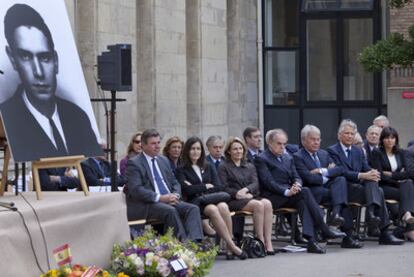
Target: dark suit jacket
[
  {"x": 275, "y": 177},
  {"x": 352, "y": 168},
  {"x": 250, "y": 157},
  {"x": 65, "y": 181},
  {"x": 368, "y": 153},
  {"x": 198, "y": 187},
  {"x": 304, "y": 164},
  {"x": 21, "y": 126},
  {"x": 93, "y": 173},
  {"x": 292, "y": 148},
  {"x": 381, "y": 162},
  {"x": 140, "y": 187},
  {"x": 409, "y": 158}
]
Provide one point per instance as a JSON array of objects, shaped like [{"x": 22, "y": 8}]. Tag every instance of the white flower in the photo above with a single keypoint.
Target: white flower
[
  {"x": 149, "y": 258},
  {"x": 163, "y": 267},
  {"x": 136, "y": 260}
]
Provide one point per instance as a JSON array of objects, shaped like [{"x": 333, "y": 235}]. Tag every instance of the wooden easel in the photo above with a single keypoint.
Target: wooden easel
[
  {"x": 3, "y": 143},
  {"x": 70, "y": 161}
]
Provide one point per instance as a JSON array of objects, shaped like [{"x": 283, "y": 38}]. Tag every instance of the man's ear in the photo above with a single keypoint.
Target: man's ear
[
  {"x": 11, "y": 57},
  {"x": 56, "y": 61}
]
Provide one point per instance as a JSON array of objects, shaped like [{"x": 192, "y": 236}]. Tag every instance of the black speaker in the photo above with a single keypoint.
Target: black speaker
[{"x": 114, "y": 68}]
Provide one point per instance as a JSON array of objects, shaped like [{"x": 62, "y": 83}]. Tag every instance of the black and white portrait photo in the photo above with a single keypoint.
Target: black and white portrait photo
[{"x": 44, "y": 101}]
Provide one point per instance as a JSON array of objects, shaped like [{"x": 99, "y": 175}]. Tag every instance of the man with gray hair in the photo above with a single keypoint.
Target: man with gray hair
[
  {"x": 362, "y": 180},
  {"x": 372, "y": 141},
  {"x": 381, "y": 121},
  {"x": 215, "y": 146},
  {"x": 319, "y": 172},
  {"x": 281, "y": 184}
]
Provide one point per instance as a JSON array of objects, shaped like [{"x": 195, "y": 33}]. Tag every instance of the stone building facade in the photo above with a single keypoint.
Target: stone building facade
[
  {"x": 194, "y": 63},
  {"x": 400, "y": 110}
]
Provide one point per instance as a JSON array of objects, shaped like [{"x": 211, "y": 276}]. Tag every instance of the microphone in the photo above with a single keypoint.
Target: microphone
[{"x": 9, "y": 206}]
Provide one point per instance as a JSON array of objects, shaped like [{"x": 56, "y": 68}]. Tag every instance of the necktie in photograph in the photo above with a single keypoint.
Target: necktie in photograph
[
  {"x": 58, "y": 139},
  {"x": 158, "y": 179},
  {"x": 217, "y": 163},
  {"x": 348, "y": 154}
]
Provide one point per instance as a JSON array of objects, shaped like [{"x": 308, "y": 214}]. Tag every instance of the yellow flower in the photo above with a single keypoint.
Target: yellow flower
[{"x": 121, "y": 274}]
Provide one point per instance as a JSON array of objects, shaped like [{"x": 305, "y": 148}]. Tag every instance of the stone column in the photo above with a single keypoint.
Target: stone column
[
  {"x": 207, "y": 93},
  {"x": 161, "y": 65},
  {"x": 242, "y": 65}
]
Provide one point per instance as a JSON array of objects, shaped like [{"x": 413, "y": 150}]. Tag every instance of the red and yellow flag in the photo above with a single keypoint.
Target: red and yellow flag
[{"x": 62, "y": 255}]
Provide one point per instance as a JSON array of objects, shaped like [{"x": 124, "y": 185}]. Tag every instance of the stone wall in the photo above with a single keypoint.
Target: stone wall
[
  {"x": 401, "y": 111},
  {"x": 194, "y": 63}
]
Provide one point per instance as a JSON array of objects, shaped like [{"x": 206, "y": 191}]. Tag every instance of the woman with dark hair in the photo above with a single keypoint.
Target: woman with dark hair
[
  {"x": 240, "y": 180},
  {"x": 172, "y": 150},
  {"x": 198, "y": 178},
  {"x": 134, "y": 148},
  {"x": 389, "y": 160}
]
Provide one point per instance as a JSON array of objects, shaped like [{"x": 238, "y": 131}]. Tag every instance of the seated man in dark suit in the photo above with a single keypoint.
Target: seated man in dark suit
[
  {"x": 153, "y": 192},
  {"x": 215, "y": 146},
  {"x": 323, "y": 177},
  {"x": 58, "y": 179},
  {"x": 372, "y": 141},
  {"x": 97, "y": 172},
  {"x": 362, "y": 180},
  {"x": 253, "y": 138},
  {"x": 281, "y": 184}
]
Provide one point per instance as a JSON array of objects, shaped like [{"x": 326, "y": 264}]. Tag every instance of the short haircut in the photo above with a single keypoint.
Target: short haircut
[
  {"x": 186, "y": 153},
  {"x": 372, "y": 127},
  {"x": 271, "y": 134},
  {"x": 149, "y": 133},
  {"x": 24, "y": 15},
  {"x": 347, "y": 123},
  {"x": 389, "y": 132},
  {"x": 249, "y": 131},
  {"x": 212, "y": 140},
  {"x": 170, "y": 141},
  {"x": 381, "y": 118},
  {"x": 307, "y": 130},
  {"x": 229, "y": 143}
]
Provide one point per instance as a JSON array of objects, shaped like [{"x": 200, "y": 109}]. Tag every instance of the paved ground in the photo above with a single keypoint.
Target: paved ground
[{"x": 372, "y": 260}]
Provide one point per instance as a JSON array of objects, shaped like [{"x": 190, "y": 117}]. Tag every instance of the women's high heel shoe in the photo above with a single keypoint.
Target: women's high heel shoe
[{"x": 242, "y": 255}]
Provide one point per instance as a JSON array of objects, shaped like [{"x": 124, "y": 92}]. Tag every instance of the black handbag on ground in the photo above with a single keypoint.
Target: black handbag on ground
[
  {"x": 253, "y": 247},
  {"x": 212, "y": 198}
]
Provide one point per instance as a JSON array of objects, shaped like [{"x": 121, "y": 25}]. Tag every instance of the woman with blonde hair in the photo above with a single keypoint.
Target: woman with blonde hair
[
  {"x": 239, "y": 179},
  {"x": 172, "y": 150}
]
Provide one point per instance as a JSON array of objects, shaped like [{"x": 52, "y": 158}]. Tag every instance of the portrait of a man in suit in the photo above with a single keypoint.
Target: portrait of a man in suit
[{"x": 55, "y": 126}]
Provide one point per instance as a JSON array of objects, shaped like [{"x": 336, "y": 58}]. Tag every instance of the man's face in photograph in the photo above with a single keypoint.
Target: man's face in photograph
[{"x": 36, "y": 63}]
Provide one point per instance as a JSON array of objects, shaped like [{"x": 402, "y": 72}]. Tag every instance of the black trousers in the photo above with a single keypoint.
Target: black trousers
[
  {"x": 309, "y": 211},
  {"x": 369, "y": 193},
  {"x": 404, "y": 193}
]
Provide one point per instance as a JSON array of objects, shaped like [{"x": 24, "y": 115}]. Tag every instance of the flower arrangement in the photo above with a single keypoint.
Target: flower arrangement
[
  {"x": 155, "y": 256},
  {"x": 75, "y": 271}
]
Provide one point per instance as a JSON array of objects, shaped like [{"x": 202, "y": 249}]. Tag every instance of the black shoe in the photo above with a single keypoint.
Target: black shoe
[
  {"x": 270, "y": 253},
  {"x": 313, "y": 247},
  {"x": 373, "y": 220},
  {"x": 242, "y": 256},
  {"x": 300, "y": 240},
  {"x": 373, "y": 232},
  {"x": 319, "y": 237},
  {"x": 336, "y": 220},
  {"x": 389, "y": 239},
  {"x": 229, "y": 256},
  {"x": 333, "y": 234},
  {"x": 349, "y": 242}
]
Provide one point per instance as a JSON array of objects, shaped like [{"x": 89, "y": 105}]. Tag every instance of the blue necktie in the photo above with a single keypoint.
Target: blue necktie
[
  {"x": 348, "y": 154},
  {"x": 217, "y": 163},
  {"x": 316, "y": 159},
  {"x": 158, "y": 180}
]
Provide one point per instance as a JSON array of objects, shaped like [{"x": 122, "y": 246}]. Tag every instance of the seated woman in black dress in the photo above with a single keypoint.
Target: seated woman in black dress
[
  {"x": 197, "y": 178},
  {"x": 239, "y": 178},
  {"x": 389, "y": 160}
]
